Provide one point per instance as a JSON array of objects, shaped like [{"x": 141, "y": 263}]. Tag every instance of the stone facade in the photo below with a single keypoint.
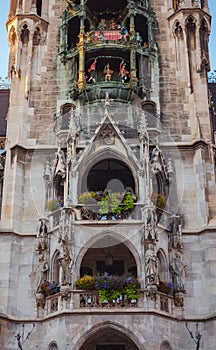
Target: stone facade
[{"x": 109, "y": 170}]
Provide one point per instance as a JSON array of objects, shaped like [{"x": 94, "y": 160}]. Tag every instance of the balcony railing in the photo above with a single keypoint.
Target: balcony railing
[
  {"x": 74, "y": 300},
  {"x": 90, "y": 212}
]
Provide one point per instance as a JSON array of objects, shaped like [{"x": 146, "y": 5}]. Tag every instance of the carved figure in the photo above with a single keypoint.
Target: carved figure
[
  {"x": 102, "y": 24},
  {"x": 108, "y": 72},
  {"x": 43, "y": 237},
  {"x": 123, "y": 32},
  {"x": 150, "y": 224},
  {"x": 113, "y": 25},
  {"x": 123, "y": 72},
  {"x": 41, "y": 270},
  {"x": 176, "y": 233},
  {"x": 151, "y": 266},
  {"x": 91, "y": 71},
  {"x": 66, "y": 265},
  {"x": 178, "y": 269},
  {"x": 138, "y": 39}
]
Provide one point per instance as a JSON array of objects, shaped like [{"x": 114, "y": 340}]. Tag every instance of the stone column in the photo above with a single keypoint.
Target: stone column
[
  {"x": 45, "y": 9},
  {"x": 33, "y": 6},
  {"x": 19, "y": 6}
]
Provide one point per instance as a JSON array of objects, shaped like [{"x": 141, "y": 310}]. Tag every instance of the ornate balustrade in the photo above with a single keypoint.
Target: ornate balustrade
[
  {"x": 90, "y": 212},
  {"x": 150, "y": 300}
]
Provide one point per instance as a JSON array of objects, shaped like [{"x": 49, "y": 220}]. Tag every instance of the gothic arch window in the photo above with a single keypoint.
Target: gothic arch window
[
  {"x": 191, "y": 46},
  {"x": 36, "y": 36},
  {"x": 150, "y": 109},
  {"x": 39, "y": 7},
  {"x": 178, "y": 31},
  {"x": 55, "y": 267},
  {"x": 25, "y": 34},
  {"x": 165, "y": 346},
  {"x": 114, "y": 175},
  {"x": 204, "y": 36},
  {"x": 53, "y": 346},
  {"x": 59, "y": 187},
  {"x": 65, "y": 111}
]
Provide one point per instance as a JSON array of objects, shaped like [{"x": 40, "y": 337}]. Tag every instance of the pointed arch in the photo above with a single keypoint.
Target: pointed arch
[
  {"x": 118, "y": 238},
  {"x": 55, "y": 268},
  {"x": 109, "y": 325},
  {"x": 162, "y": 265},
  {"x": 53, "y": 346},
  {"x": 108, "y": 152},
  {"x": 165, "y": 345}
]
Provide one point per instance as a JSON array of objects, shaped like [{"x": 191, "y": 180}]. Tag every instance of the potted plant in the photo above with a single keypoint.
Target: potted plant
[
  {"x": 166, "y": 287},
  {"x": 85, "y": 283},
  {"x": 49, "y": 288},
  {"x": 116, "y": 205}
]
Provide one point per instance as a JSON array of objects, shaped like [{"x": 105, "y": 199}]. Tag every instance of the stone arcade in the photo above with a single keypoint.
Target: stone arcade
[{"x": 108, "y": 175}]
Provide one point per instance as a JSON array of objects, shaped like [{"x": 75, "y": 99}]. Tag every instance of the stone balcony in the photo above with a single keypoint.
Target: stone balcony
[
  {"x": 69, "y": 300},
  {"x": 89, "y": 214}
]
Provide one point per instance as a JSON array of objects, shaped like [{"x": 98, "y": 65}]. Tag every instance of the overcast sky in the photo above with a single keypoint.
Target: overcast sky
[{"x": 4, "y": 5}]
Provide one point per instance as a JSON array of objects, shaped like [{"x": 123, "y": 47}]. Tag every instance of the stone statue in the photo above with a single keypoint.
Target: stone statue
[
  {"x": 176, "y": 233},
  {"x": 178, "y": 269},
  {"x": 150, "y": 224},
  {"x": 42, "y": 236},
  {"x": 151, "y": 266},
  {"x": 41, "y": 272},
  {"x": 66, "y": 264}
]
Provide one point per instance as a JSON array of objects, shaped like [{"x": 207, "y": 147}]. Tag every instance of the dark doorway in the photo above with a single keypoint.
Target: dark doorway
[
  {"x": 110, "y": 347},
  {"x": 117, "y": 267}
]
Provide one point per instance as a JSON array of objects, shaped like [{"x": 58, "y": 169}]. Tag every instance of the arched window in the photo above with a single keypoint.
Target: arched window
[
  {"x": 25, "y": 34},
  {"x": 53, "y": 346},
  {"x": 162, "y": 266},
  {"x": 165, "y": 346},
  {"x": 55, "y": 267}
]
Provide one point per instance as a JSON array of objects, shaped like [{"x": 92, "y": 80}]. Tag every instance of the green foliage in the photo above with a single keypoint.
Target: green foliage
[
  {"x": 108, "y": 295},
  {"x": 86, "y": 282},
  {"x": 116, "y": 203},
  {"x": 110, "y": 203},
  {"x": 131, "y": 292},
  {"x": 128, "y": 201},
  {"x": 160, "y": 202},
  {"x": 113, "y": 287},
  {"x": 110, "y": 287}
]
